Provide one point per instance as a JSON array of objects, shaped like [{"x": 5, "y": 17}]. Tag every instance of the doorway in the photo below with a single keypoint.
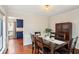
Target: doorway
[
  {"x": 11, "y": 29},
  {"x": 15, "y": 32}
]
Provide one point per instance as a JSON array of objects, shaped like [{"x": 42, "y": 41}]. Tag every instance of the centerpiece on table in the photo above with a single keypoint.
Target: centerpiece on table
[{"x": 48, "y": 31}]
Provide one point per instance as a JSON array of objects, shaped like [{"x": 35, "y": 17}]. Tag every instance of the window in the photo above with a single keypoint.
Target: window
[{"x": 1, "y": 33}]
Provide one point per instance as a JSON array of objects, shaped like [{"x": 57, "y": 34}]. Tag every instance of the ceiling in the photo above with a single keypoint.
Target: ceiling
[{"x": 38, "y": 9}]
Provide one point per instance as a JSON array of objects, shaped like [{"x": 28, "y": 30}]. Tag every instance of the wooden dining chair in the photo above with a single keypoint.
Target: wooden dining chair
[
  {"x": 74, "y": 45},
  {"x": 37, "y": 33},
  {"x": 52, "y": 34},
  {"x": 34, "y": 45},
  {"x": 41, "y": 48},
  {"x": 70, "y": 50},
  {"x": 58, "y": 36}
]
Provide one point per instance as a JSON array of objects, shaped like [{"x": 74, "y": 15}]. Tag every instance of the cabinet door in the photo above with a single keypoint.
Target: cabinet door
[
  {"x": 58, "y": 30},
  {"x": 58, "y": 27},
  {"x": 65, "y": 27}
]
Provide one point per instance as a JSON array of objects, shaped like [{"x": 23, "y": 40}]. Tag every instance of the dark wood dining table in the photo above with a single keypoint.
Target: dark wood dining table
[{"x": 54, "y": 43}]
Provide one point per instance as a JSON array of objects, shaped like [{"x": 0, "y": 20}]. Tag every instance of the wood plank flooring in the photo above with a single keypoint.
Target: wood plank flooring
[{"x": 15, "y": 46}]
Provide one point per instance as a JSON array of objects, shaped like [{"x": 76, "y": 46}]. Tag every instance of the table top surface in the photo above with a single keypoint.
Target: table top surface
[{"x": 53, "y": 40}]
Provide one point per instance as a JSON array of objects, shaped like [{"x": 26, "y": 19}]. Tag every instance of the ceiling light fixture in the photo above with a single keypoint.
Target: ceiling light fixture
[{"x": 47, "y": 8}]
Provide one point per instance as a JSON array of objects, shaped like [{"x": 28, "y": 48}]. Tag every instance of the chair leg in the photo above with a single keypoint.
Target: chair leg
[
  {"x": 32, "y": 50},
  {"x": 36, "y": 51},
  {"x": 32, "y": 47}
]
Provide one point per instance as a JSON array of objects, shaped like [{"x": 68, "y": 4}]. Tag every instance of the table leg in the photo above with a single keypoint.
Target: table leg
[{"x": 52, "y": 48}]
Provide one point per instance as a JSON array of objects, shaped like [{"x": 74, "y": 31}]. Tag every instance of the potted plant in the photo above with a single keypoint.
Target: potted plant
[{"x": 48, "y": 31}]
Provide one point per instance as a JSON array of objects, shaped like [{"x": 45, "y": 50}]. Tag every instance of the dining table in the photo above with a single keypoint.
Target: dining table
[{"x": 54, "y": 43}]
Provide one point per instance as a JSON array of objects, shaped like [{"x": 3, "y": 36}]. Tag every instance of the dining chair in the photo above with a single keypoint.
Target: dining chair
[
  {"x": 34, "y": 45},
  {"x": 41, "y": 48},
  {"x": 74, "y": 45},
  {"x": 69, "y": 50},
  {"x": 37, "y": 33},
  {"x": 58, "y": 36},
  {"x": 52, "y": 34}
]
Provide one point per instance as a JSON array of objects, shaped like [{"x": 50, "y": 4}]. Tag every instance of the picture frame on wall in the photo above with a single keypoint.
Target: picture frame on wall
[{"x": 19, "y": 23}]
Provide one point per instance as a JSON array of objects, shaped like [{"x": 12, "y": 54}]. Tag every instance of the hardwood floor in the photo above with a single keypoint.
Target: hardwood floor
[{"x": 16, "y": 47}]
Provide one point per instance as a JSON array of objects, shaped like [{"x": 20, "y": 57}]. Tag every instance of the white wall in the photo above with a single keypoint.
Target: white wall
[
  {"x": 37, "y": 22},
  {"x": 33, "y": 23},
  {"x": 70, "y": 16}
]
